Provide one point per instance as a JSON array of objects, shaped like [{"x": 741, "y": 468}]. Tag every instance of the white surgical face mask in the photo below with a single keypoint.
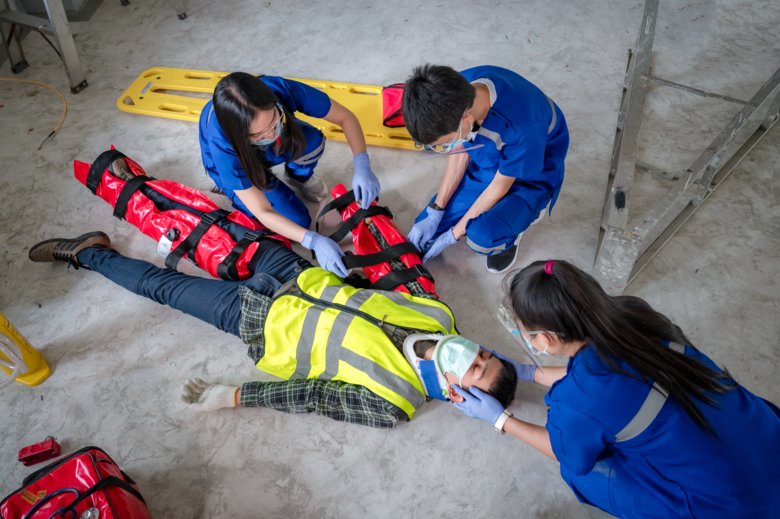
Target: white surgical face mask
[{"x": 456, "y": 355}]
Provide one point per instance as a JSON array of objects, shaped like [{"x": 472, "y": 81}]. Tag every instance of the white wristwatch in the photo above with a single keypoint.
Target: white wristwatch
[{"x": 502, "y": 418}]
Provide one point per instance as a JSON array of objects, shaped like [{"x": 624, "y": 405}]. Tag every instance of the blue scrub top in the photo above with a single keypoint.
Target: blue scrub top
[
  {"x": 673, "y": 468},
  {"x": 220, "y": 159},
  {"x": 532, "y": 141}
]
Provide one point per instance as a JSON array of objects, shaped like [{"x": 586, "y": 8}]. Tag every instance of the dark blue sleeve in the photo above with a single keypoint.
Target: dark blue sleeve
[
  {"x": 523, "y": 158},
  {"x": 578, "y": 440},
  {"x": 299, "y": 97}
]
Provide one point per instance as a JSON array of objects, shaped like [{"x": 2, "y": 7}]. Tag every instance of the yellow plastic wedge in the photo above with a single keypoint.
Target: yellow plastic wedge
[{"x": 177, "y": 93}]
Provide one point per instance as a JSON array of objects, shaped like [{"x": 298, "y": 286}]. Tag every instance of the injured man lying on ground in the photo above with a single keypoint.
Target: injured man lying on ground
[{"x": 369, "y": 357}]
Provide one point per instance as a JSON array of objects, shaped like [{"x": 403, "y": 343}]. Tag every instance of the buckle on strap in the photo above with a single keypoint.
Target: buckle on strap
[
  {"x": 253, "y": 236},
  {"x": 421, "y": 271},
  {"x": 213, "y": 216}
]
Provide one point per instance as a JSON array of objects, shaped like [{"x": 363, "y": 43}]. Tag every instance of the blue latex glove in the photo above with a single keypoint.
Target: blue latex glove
[
  {"x": 364, "y": 182},
  {"x": 524, "y": 371},
  {"x": 422, "y": 232},
  {"x": 439, "y": 244},
  {"x": 478, "y": 404},
  {"x": 328, "y": 252}
]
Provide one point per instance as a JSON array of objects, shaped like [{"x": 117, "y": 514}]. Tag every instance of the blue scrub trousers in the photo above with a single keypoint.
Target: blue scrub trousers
[
  {"x": 214, "y": 301},
  {"x": 497, "y": 229}
]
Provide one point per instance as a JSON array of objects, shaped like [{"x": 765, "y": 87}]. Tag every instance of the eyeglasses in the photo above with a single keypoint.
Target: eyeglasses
[
  {"x": 451, "y": 147},
  {"x": 275, "y": 127}
]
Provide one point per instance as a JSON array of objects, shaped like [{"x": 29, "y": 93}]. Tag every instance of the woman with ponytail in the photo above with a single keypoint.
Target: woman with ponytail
[
  {"x": 249, "y": 126},
  {"x": 642, "y": 423}
]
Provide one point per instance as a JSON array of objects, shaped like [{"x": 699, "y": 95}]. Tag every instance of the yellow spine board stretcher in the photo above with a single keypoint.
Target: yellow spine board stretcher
[{"x": 177, "y": 93}]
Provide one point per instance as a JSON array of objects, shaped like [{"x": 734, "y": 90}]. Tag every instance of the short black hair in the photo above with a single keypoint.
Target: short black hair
[
  {"x": 435, "y": 99},
  {"x": 503, "y": 389}
]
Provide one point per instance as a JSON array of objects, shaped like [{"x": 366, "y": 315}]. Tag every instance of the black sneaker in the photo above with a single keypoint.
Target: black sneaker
[
  {"x": 498, "y": 263},
  {"x": 66, "y": 249}
]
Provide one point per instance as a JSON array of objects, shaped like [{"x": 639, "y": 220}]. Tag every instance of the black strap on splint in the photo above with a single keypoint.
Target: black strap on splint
[
  {"x": 96, "y": 170},
  {"x": 131, "y": 186},
  {"x": 393, "y": 252},
  {"x": 337, "y": 203},
  {"x": 400, "y": 277},
  {"x": 361, "y": 214},
  {"x": 189, "y": 243},
  {"x": 227, "y": 269}
]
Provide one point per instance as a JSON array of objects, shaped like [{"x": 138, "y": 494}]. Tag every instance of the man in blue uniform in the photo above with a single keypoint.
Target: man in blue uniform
[{"x": 506, "y": 142}]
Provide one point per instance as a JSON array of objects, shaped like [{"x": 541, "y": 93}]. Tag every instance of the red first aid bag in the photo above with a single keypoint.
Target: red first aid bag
[
  {"x": 392, "y": 105},
  {"x": 72, "y": 486},
  {"x": 185, "y": 222},
  {"x": 387, "y": 258}
]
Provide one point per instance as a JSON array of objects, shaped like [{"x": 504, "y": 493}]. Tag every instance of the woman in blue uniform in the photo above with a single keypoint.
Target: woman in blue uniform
[
  {"x": 642, "y": 423},
  {"x": 249, "y": 126}
]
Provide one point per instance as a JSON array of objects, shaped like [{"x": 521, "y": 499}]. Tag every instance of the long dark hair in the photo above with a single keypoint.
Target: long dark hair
[
  {"x": 237, "y": 99},
  {"x": 572, "y": 304}
]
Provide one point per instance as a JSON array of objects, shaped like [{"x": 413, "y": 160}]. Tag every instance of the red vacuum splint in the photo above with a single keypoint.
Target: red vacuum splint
[
  {"x": 185, "y": 222},
  {"x": 387, "y": 258}
]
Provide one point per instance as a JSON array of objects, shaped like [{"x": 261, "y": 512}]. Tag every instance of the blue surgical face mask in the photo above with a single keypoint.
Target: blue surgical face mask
[{"x": 456, "y": 355}]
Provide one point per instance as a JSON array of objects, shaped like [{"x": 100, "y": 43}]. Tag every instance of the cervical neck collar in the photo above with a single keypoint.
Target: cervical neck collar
[{"x": 428, "y": 371}]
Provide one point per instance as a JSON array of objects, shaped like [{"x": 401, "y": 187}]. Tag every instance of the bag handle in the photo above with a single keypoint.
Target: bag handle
[{"x": 48, "y": 498}]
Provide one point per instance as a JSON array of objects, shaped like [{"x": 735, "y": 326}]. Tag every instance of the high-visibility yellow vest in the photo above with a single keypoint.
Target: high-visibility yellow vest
[{"x": 322, "y": 328}]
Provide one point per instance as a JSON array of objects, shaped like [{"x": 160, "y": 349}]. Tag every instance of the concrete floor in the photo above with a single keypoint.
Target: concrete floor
[{"x": 119, "y": 360}]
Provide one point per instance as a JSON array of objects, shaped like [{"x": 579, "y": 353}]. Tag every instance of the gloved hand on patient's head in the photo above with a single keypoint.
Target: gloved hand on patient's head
[
  {"x": 205, "y": 396},
  {"x": 478, "y": 404},
  {"x": 524, "y": 371}
]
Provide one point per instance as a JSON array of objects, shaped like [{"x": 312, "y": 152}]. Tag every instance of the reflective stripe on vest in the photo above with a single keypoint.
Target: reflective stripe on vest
[
  {"x": 331, "y": 331},
  {"x": 649, "y": 409}
]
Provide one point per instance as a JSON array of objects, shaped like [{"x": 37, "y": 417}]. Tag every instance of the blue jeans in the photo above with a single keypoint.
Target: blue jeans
[{"x": 211, "y": 300}]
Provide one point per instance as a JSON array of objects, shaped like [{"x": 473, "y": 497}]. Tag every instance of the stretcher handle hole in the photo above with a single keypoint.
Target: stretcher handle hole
[
  {"x": 198, "y": 75},
  {"x": 335, "y": 129},
  {"x": 151, "y": 73},
  {"x": 128, "y": 101},
  {"x": 146, "y": 88},
  {"x": 183, "y": 93},
  {"x": 363, "y": 91},
  {"x": 172, "y": 108},
  {"x": 400, "y": 137}
]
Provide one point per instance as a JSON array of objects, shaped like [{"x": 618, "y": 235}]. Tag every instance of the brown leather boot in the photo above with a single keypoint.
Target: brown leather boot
[
  {"x": 121, "y": 170},
  {"x": 66, "y": 249}
]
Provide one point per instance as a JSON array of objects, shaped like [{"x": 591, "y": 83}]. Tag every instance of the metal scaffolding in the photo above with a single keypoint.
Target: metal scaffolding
[{"x": 627, "y": 245}]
